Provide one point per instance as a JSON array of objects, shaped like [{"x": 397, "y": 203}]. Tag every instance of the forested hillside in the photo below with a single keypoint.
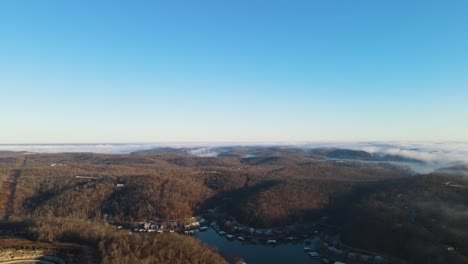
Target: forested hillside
[
  {"x": 422, "y": 219},
  {"x": 266, "y": 192}
]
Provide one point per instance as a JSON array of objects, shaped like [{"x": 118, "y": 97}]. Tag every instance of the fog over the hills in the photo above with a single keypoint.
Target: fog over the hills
[
  {"x": 434, "y": 154},
  {"x": 430, "y": 152}
]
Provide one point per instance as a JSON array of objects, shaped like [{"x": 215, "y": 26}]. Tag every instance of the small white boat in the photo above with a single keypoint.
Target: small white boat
[
  {"x": 230, "y": 236},
  {"x": 314, "y": 255},
  {"x": 307, "y": 249},
  {"x": 222, "y": 233},
  {"x": 241, "y": 238},
  {"x": 271, "y": 241},
  {"x": 203, "y": 228}
]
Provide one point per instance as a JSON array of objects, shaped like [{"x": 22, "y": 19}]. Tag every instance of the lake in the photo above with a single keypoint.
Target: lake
[{"x": 262, "y": 254}]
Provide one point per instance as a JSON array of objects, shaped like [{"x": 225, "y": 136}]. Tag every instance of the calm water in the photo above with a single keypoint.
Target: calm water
[{"x": 258, "y": 254}]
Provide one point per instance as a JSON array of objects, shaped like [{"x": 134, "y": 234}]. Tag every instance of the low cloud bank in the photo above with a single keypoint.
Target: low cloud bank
[
  {"x": 441, "y": 153},
  {"x": 196, "y": 148},
  {"x": 204, "y": 152},
  {"x": 95, "y": 148},
  {"x": 433, "y": 154}
]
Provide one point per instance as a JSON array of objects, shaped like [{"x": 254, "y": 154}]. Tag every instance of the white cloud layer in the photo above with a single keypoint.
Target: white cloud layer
[
  {"x": 430, "y": 152},
  {"x": 201, "y": 149},
  {"x": 434, "y": 154},
  {"x": 203, "y": 152}
]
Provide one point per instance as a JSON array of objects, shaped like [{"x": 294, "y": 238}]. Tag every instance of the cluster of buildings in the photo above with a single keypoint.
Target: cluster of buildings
[
  {"x": 169, "y": 225},
  {"x": 57, "y": 164}
]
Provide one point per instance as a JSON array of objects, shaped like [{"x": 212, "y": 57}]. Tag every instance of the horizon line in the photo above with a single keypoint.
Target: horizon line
[{"x": 229, "y": 142}]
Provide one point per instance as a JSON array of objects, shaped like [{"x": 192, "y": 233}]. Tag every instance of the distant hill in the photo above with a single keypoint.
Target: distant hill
[
  {"x": 334, "y": 153},
  {"x": 164, "y": 151},
  {"x": 276, "y": 160},
  {"x": 461, "y": 169},
  {"x": 11, "y": 153},
  {"x": 249, "y": 153},
  {"x": 349, "y": 154}
]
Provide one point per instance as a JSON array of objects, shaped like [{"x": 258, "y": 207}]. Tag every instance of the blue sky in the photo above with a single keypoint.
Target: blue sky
[{"x": 214, "y": 71}]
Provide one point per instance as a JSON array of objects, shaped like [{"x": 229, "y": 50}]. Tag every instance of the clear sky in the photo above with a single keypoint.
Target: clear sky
[{"x": 244, "y": 70}]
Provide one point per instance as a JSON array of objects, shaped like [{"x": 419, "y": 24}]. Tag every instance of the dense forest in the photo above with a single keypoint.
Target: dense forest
[
  {"x": 376, "y": 206},
  {"x": 272, "y": 191}
]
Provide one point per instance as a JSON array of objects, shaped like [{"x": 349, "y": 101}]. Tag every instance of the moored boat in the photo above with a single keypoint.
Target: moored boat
[{"x": 314, "y": 255}]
